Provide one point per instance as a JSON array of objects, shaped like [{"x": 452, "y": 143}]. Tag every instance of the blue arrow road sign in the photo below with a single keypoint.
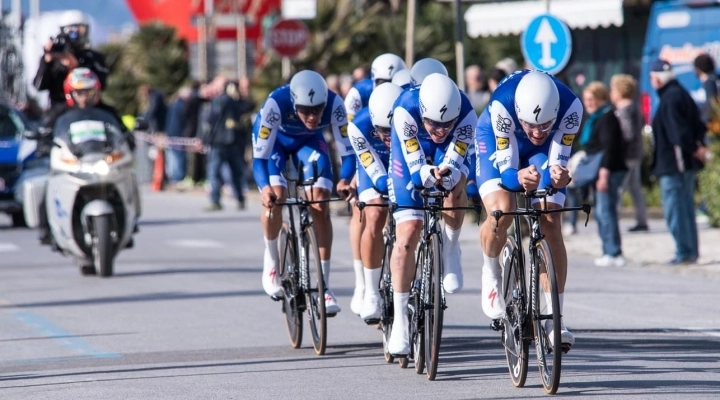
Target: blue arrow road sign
[{"x": 546, "y": 43}]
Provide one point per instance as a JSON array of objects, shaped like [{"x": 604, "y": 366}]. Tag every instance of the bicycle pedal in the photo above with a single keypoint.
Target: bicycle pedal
[
  {"x": 565, "y": 348},
  {"x": 277, "y": 298},
  {"x": 497, "y": 325},
  {"x": 372, "y": 321}
]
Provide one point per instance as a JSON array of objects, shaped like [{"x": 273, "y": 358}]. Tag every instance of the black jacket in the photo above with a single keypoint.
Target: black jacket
[
  {"x": 224, "y": 122},
  {"x": 607, "y": 136},
  {"x": 677, "y": 129},
  {"x": 50, "y": 76}
]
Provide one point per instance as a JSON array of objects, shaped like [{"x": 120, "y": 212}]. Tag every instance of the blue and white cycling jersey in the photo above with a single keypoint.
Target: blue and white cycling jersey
[
  {"x": 412, "y": 148},
  {"x": 358, "y": 97},
  {"x": 372, "y": 154},
  {"x": 503, "y": 148},
  {"x": 279, "y": 132}
]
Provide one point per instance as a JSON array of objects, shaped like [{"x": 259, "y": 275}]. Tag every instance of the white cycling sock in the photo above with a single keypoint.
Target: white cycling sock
[
  {"x": 491, "y": 265},
  {"x": 271, "y": 257},
  {"x": 372, "y": 280},
  {"x": 400, "y": 306},
  {"x": 326, "y": 272},
  {"x": 452, "y": 236},
  {"x": 359, "y": 275}
]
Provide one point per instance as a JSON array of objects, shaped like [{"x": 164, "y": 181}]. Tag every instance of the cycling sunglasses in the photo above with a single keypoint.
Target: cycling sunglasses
[
  {"x": 540, "y": 127},
  {"x": 440, "y": 125},
  {"x": 310, "y": 110},
  {"x": 382, "y": 130},
  {"x": 379, "y": 81}
]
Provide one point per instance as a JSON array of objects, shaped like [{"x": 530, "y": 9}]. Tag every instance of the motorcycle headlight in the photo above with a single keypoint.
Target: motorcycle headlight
[{"x": 101, "y": 167}]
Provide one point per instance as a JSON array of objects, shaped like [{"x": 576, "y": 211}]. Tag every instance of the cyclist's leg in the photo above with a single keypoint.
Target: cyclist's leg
[
  {"x": 451, "y": 254},
  {"x": 407, "y": 235},
  {"x": 356, "y": 229},
  {"x": 315, "y": 149},
  {"x": 272, "y": 222},
  {"x": 371, "y": 246},
  {"x": 493, "y": 234},
  {"x": 551, "y": 227}
]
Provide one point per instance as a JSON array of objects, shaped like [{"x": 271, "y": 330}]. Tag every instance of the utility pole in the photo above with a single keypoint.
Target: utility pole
[
  {"x": 459, "y": 47},
  {"x": 241, "y": 44},
  {"x": 410, "y": 33},
  {"x": 547, "y": 6}
]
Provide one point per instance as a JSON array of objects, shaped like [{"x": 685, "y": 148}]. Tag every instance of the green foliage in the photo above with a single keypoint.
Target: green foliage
[
  {"x": 709, "y": 179},
  {"x": 121, "y": 87}
]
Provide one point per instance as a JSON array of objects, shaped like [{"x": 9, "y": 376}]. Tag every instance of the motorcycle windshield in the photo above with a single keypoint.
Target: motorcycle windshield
[{"x": 88, "y": 131}]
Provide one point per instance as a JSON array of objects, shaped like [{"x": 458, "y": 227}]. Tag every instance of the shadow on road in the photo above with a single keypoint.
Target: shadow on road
[{"x": 203, "y": 220}]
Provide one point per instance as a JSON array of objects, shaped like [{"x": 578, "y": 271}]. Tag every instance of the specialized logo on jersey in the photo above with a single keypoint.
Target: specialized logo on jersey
[
  {"x": 410, "y": 130},
  {"x": 412, "y": 145},
  {"x": 339, "y": 113},
  {"x": 359, "y": 143},
  {"x": 264, "y": 132},
  {"x": 343, "y": 130},
  {"x": 366, "y": 159},
  {"x": 536, "y": 111},
  {"x": 572, "y": 121},
  {"x": 503, "y": 124},
  {"x": 502, "y": 143},
  {"x": 272, "y": 117},
  {"x": 567, "y": 139},
  {"x": 461, "y": 148}
]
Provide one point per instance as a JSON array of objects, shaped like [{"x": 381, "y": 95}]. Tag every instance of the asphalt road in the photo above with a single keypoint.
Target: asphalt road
[{"x": 185, "y": 318}]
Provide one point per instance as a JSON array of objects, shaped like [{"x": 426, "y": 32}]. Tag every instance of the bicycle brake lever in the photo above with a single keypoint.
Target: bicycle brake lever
[{"x": 586, "y": 210}]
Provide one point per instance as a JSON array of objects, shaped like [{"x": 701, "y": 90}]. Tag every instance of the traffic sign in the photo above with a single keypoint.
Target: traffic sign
[
  {"x": 288, "y": 37},
  {"x": 546, "y": 43}
]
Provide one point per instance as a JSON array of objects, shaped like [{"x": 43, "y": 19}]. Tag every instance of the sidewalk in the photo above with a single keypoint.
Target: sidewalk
[{"x": 652, "y": 248}]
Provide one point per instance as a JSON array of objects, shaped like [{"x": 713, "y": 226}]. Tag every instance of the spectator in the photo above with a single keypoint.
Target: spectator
[
  {"x": 605, "y": 136},
  {"x": 508, "y": 65},
  {"x": 496, "y": 75},
  {"x": 333, "y": 82},
  {"x": 346, "y": 83},
  {"x": 705, "y": 71},
  {"x": 476, "y": 90},
  {"x": 195, "y": 161},
  {"x": 176, "y": 117},
  {"x": 622, "y": 90},
  {"x": 679, "y": 153},
  {"x": 361, "y": 72}
]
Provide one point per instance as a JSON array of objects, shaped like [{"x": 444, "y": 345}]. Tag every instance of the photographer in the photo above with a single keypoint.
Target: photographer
[{"x": 68, "y": 50}]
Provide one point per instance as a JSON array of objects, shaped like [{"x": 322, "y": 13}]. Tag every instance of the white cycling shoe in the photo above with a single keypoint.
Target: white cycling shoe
[
  {"x": 370, "y": 312},
  {"x": 493, "y": 303},
  {"x": 356, "y": 304},
  {"x": 453, "y": 279},
  {"x": 331, "y": 305},
  {"x": 399, "y": 343},
  {"x": 566, "y": 337},
  {"x": 271, "y": 280}
]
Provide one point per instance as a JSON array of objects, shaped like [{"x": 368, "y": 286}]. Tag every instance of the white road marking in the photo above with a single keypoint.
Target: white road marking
[
  {"x": 8, "y": 247},
  {"x": 195, "y": 244}
]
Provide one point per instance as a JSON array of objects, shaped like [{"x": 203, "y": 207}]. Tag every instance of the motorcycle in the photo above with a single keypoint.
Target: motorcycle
[{"x": 91, "y": 195}]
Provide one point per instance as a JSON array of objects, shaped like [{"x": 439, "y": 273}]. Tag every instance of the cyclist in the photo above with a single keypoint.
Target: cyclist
[
  {"x": 421, "y": 69},
  {"x": 370, "y": 137},
  {"x": 290, "y": 122},
  {"x": 523, "y": 140},
  {"x": 402, "y": 78},
  {"x": 436, "y": 121},
  {"x": 382, "y": 69}
]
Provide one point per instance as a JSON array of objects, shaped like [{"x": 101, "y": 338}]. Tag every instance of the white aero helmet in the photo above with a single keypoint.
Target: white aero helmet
[
  {"x": 439, "y": 98},
  {"x": 308, "y": 88},
  {"x": 74, "y": 17},
  {"x": 381, "y": 103},
  {"x": 421, "y": 69},
  {"x": 536, "y": 98},
  {"x": 402, "y": 78},
  {"x": 385, "y": 66}
]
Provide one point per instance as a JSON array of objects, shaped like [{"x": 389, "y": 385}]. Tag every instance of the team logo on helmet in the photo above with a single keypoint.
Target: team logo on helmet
[
  {"x": 311, "y": 94},
  {"x": 442, "y": 111},
  {"x": 390, "y": 69},
  {"x": 537, "y": 111}
]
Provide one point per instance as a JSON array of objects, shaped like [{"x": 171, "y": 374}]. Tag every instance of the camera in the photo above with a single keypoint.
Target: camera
[{"x": 61, "y": 44}]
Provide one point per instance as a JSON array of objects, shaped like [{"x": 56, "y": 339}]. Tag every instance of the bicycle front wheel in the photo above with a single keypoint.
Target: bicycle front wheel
[
  {"x": 293, "y": 301},
  {"x": 434, "y": 309},
  {"x": 549, "y": 359},
  {"x": 386, "y": 300},
  {"x": 315, "y": 291},
  {"x": 517, "y": 347}
]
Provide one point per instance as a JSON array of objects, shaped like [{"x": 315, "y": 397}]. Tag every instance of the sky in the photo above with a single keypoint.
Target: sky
[{"x": 111, "y": 14}]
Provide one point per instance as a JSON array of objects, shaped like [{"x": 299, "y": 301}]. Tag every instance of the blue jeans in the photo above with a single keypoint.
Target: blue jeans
[
  {"x": 233, "y": 156},
  {"x": 574, "y": 198},
  {"x": 175, "y": 165},
  {"x": 677, "y": 191},
  {"x": 606, "y": 214}
]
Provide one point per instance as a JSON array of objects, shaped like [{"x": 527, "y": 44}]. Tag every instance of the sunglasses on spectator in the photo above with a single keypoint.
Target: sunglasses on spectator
[
  {"x": 310, "y": 110},
  {"x": 440, "y": 125}
]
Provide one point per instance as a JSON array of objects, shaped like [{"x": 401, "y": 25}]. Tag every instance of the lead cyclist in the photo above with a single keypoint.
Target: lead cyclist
[{"x": 523, "y": 140}]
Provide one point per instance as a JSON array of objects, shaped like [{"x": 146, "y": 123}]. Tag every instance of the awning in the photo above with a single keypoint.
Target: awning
[{"x": 512, "y": 17}]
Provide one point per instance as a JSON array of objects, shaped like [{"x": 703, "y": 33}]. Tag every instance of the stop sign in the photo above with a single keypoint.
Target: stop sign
[{"x": 288, "y": 37}]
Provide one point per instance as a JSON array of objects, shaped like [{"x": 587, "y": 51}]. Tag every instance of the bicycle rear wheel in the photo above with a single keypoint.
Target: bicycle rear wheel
[
  {"x": 517, "y": 347},
  {"x": 549, "y": 359},
  {"x": 386, "y": 300},
  {"x": 292, "y": 299},
  {"x": 435, "y": 309},
  {"x": 315, "y": 291}
]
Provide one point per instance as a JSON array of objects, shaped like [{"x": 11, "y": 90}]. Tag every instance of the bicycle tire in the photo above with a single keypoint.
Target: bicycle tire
[
  {"x": 433, "y": 321},
  {"x": 386, "y": 299},
  {"x": 417, "y": 332},
  {"x": 549, "y": 374},
  {"x": 289, "y": 282},
  {"x": 317, "y": 318},
  {"x": 514, "y": 292}
]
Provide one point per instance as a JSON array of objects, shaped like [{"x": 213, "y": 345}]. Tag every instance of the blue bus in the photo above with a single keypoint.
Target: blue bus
[{"x": 678, "y": 31}]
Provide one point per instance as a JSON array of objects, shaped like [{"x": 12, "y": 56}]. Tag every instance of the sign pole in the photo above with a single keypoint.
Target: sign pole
[
  {"x": 241, "y": 46},
  {"x": 547, "y": 6},
  {"x": 410, "y": 34},
  {"x": 459, "y": 47},
  {"x": 285, "y": 68}
]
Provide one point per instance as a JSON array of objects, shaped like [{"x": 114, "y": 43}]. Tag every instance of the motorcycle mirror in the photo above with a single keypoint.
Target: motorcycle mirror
[{"x": 141, "y": 124}]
